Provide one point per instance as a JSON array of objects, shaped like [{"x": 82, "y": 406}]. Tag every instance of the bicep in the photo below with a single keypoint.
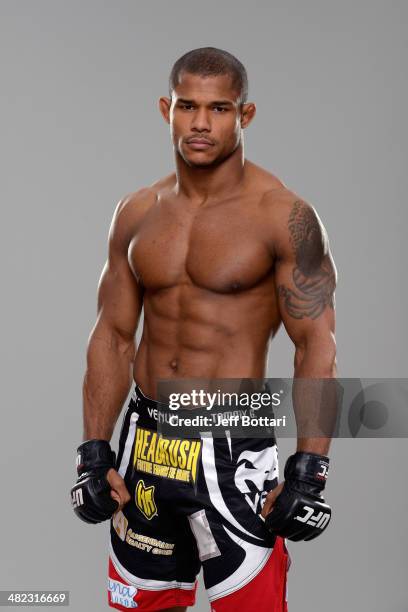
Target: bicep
[
  {"x": 306, "y": 301},
  {"x": 305, "y": 276},
  {"x": 120, "y": 296}
]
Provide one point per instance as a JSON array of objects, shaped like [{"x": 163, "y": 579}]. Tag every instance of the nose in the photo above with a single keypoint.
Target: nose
[{"x": 201, "y": 121}]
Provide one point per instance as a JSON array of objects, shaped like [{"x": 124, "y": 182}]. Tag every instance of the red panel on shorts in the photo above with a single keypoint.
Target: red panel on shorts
[
  {"x": 266, "y": 592},
  {"x": 123, "y": 596}
]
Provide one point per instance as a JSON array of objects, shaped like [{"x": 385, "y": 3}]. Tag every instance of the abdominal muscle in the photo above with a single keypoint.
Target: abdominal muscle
[{"x": 193, "y": 333}]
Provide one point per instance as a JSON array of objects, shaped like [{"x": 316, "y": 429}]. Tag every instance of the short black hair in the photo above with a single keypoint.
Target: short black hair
[{"x": 210, "y": 61}]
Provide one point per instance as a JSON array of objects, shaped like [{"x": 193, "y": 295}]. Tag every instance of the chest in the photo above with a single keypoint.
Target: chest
[{"x": 220, "y": 249}]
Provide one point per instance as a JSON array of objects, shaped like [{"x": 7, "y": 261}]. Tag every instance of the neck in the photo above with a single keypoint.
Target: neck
[{"x": 202, "y": 183}]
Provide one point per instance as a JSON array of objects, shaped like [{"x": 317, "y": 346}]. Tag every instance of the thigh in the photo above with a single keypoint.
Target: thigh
[
  {"x": 153, "y": 561},
  {"x": 244, "y": 566},
  {"x": 249, "y": 581}
]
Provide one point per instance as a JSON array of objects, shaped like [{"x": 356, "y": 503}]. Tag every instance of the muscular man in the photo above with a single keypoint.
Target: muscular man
[{"x": 217, "y": 255}]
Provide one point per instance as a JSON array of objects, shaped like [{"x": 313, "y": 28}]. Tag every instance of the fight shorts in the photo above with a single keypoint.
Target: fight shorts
[{"x": 194, "y": 502}]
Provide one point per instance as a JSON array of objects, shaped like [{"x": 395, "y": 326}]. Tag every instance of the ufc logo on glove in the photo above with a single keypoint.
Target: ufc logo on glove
[{"x": 320, "y": 520}]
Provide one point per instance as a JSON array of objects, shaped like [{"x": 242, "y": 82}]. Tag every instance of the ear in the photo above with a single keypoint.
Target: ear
[
  {"x": 248, "y": 112},
  {"x": 164, "y": 106}
]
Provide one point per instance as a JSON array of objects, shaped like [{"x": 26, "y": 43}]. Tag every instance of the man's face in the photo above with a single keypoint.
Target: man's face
[{"x": 205, "y": 119}]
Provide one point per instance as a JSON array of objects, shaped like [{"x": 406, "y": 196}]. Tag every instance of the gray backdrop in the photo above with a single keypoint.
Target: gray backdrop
[{"x": 79, "y": 129}]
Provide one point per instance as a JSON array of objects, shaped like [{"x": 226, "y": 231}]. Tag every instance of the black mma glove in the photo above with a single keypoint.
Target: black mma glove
[
  {"x": 300, "y": 512},
  {"x": 90, "y": 496}
]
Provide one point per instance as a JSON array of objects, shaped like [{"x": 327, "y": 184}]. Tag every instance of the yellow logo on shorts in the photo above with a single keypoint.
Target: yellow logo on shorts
[
  {"x": 144, "y": 497},
  {"x": 166, "y": 457}
]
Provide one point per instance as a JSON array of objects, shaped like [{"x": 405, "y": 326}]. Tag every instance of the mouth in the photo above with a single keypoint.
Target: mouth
[{"x": 199, "y": 144}]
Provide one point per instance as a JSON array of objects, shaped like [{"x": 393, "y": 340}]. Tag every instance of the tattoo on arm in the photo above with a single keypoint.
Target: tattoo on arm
[{"x": 313, "y": 275}]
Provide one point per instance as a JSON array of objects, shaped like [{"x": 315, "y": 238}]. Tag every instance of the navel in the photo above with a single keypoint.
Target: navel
[{"x": 174, "y": 365}]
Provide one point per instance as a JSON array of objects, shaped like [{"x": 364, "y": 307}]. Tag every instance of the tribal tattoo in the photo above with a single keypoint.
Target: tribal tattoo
[{"x": 313, "y": 275}]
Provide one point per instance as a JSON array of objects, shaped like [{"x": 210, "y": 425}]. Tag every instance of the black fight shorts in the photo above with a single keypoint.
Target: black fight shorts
[{"x": 194, "y": 502}]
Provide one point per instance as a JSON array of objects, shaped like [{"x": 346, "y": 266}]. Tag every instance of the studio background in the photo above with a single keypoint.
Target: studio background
[{"x": 80, "y": 128}]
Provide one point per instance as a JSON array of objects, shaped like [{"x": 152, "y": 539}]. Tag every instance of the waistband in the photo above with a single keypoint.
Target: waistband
[
  {"x": 145, "y": 402},
  {"x": 155, "y": 415},
  {"x": 150, "y": 411}
]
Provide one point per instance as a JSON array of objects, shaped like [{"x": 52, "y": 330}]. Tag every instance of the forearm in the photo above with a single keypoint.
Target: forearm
[
  {"x": 107, "y": 381},
  {"x": 315, "y": 395}
]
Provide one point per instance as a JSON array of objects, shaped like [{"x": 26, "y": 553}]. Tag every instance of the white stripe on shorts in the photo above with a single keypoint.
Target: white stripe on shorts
[{"x": 128, "y": 445}]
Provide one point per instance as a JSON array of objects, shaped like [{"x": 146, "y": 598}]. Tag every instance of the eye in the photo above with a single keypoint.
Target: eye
[
  {"x": 186, "y": 106},
  {"x": 219, "y": 109}
]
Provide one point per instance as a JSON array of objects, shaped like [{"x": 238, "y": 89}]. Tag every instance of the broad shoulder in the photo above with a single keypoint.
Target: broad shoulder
[
  {"x": 138, "y": 203},
  {"x": 133, "y": 208},
  {"x": 290, "y": 221}
]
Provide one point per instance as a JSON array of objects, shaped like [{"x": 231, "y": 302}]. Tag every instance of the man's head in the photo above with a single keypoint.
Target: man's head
[{"x": 207, "y": 107}]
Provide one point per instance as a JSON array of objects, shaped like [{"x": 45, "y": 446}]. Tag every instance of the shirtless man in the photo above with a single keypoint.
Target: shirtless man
[{"x": 217, "y": 255}]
